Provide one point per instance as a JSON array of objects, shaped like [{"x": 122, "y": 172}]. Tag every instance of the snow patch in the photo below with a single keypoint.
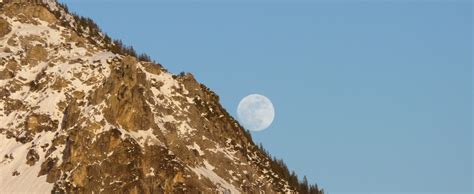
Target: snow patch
[
  {"x": 196, "y": 147},
  {"x": 28, "y": 180},
  {"x": 229, "y": 154},
  {"x": 207, "y": 172}
]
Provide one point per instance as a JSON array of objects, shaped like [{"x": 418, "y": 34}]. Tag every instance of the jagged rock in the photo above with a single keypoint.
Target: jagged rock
[
  {"x": 6, "y": 74},
  {"x": 15, "y": 173},
  {"x": 28, "y": 10},
  {"x": 38, "y": 123},
  {"x": 12, "y": 66},
  {"x": 35, "y": 55},
  {"x": 32, "y": 157},
  {"x": 4, "y": 27}
]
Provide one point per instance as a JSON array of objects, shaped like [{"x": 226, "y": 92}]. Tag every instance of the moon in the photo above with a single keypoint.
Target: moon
[{"x": 255, "y": 112}]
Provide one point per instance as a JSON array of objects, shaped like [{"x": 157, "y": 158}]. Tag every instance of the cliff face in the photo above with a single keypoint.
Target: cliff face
[{"x": 75, "y": 117}]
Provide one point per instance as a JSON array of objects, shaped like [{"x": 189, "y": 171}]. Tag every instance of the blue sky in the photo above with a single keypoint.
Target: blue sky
[{"x": 370, "y": 96}]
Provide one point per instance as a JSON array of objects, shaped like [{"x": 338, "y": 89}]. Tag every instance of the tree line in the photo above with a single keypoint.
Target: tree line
[
  {"x": 302, "y": 186},
  {"x": 87, "y": 25}
]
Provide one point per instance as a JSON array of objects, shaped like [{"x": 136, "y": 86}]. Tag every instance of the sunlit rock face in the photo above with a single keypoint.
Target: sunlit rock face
[{"x": 77, "y": 117}]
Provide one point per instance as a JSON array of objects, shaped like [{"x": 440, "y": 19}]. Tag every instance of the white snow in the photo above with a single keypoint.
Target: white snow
[
  {"x": 27, "y": 181},
  {"x": 30, "y": 73},
  {"x": 143, "y": 137},
  {"x": 52, "y": 4},
  {"x": 207, "y": 172},
  {"x": 47, "y": 103},
  {"x": 53, "y": 35},
  {"x": 102, "y": 56},
  {"x": 229, "y": 154},
  {"x": 196, "y": 147},
  {"x": 167, "y": 90},
  {"x": 184, "y": 128},
  {"x": 151, "y": 173}
]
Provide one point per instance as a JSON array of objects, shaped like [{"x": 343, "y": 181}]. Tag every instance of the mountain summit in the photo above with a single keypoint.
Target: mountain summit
[{"x": 82, "y": 113}]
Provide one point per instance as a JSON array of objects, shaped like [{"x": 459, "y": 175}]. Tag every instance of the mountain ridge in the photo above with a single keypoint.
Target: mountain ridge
[{"x": 81, "y": 112}]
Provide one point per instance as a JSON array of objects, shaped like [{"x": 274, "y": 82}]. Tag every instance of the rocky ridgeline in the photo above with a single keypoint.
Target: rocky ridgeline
[{"x": 76, "y": 117}]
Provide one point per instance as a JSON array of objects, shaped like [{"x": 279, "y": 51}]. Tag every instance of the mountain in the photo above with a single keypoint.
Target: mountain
[{"x": 81, "y": 113}]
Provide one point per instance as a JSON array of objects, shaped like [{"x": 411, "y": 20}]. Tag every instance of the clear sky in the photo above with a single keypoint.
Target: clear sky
[{"x": 370, "y": 96}]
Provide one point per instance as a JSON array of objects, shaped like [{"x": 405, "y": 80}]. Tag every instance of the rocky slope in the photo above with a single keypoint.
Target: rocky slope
[{"x": 76, "y": 117}]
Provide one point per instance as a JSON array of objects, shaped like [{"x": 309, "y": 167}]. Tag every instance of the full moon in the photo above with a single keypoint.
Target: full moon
[{"x": 255, "y": 112}]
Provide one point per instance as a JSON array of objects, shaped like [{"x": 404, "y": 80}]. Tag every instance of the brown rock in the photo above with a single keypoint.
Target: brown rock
[
  {"x": 32, "y": 123},
  {"x": 7, "y": 50},
  {"x": 29, "y": 11},
  {"x": 71, "y": 114},
  {"x": 43, "y": 14},
  {"x": 4, "y": 93},
  {"x": 60, "y": 83},
  {"x": 32, "y": 157},
  {"x": 15, "y": 173},
  {"x": 12, "y": 104},
  {"x": 127, "y": 104},
  {"x": 29, "y": 41},
  {"x": 37, "y": 123},
  {"x": 6, "y": 74},
  {"x": 4, "y": 27},
  {"x": 35, "y": 55},
  {"x": 78, "y": 94},
  {"x": 152, "y": 68},
  {"x": 13, "y": 66},
  {"x": 73, "y": 37},
  {"x": 12, "y": 42}
]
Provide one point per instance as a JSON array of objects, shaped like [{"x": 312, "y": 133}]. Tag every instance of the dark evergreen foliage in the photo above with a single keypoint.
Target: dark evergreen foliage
[
  {"x": 280, "y": 167},
  {"x": 144, "y": 57},
  {"x": 86, "y": 25}
]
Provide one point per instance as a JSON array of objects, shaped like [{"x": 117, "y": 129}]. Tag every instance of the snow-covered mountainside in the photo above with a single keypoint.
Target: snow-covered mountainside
[{"x": 76, "y": 117}]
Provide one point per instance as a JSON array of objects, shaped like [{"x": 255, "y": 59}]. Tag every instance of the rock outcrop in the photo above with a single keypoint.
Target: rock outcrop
[
  {"x": 78, "y": 118},
  {"x": 4, "y": 27}
]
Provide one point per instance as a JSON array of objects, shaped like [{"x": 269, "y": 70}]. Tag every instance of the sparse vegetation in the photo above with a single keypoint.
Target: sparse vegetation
[
  {"x": 86, "y": 25},
  {"x": 144, "y": 57},
  {"x": 302, "y": 186},
  {"x": 278, "y": 165}
]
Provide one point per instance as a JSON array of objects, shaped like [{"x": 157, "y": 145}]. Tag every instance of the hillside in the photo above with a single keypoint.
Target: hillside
[{"x": 82, "y": 113}]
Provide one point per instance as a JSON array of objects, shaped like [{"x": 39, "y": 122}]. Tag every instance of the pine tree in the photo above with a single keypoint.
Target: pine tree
[
  {"x": 304, "y": 185},
  {"x": 144, "y": 57}
]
